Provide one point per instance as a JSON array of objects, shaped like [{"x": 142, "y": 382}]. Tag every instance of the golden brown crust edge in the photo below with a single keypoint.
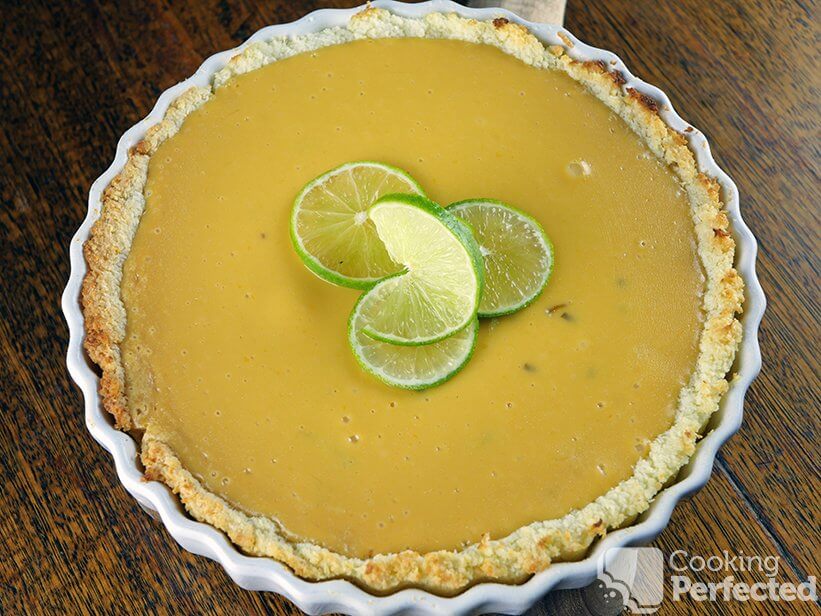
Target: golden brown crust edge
[
  {"x": 531, "y": 548},
  {"x": 106, "y": 250}
]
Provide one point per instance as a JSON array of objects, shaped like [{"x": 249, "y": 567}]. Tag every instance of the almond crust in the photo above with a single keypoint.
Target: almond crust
[{"x": 529, "y": 549}]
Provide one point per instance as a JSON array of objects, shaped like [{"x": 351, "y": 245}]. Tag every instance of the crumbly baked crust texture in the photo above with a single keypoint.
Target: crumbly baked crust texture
[{"x": 531, "y": 548}]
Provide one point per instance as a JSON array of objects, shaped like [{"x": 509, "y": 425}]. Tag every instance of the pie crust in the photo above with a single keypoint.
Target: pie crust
[{"x": 529, "y": 549}]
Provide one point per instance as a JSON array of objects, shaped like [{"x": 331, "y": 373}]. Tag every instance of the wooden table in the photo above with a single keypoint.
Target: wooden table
[{"x": 76, "y": 75}]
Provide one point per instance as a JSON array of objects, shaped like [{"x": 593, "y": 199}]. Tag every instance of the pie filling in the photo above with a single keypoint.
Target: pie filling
[{"x": 235, "y": 355}]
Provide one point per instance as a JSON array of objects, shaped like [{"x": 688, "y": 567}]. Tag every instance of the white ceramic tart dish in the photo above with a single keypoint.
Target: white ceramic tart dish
[{"x": 707, "y": 406}]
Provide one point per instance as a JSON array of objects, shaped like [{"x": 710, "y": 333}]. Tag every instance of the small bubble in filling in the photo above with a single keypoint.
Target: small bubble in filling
[{"x": 579, "y": 169}]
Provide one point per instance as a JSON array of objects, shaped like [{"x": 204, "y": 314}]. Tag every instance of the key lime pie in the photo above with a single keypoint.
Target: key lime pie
[{"x": 596, "y": 256}]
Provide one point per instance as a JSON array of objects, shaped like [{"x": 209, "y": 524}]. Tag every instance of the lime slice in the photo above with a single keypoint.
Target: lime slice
[
  {"x": 411, "y": 367},
  {"x": 518, "y": 256},
  {"x": 330, "y": 229},
  {"x": 438, "y": 292}
]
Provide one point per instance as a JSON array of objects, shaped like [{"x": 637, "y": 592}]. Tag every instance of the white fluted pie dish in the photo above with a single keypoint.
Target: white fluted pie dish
[{"x": 337, "y": 595}]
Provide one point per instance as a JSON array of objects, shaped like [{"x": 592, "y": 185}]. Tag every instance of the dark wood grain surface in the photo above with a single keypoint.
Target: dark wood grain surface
[{"x": 76, "y": 75}]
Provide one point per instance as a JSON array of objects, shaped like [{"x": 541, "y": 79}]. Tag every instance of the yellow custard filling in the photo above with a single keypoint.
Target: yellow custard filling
[{"x": 236, "y": 355}]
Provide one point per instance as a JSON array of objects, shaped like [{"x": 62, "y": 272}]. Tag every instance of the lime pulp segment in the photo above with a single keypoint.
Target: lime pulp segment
[
  {"x": 517, "y": 254},
  {"x": 330, "y": 228},
  {"x": 412, "y": 367},
  {"x": 438, "y": 293}
]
